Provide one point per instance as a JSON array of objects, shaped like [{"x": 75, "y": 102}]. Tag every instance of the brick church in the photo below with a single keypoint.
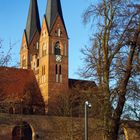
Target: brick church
[
  {"x": 34, "y": 88},
  {"x": 45, "y": 49},
  {"x": 43, "y": 73}
]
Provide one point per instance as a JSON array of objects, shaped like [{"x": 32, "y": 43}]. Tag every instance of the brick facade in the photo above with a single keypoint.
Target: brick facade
[
  {"x": 40, "y": 56},
  {"x": 61, "y": 128}
]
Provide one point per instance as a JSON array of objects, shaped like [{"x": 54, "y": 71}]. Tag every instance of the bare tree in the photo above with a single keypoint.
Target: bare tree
[
  {"x": 5, "y": 57},
  {"x": 113, "y": 59}
]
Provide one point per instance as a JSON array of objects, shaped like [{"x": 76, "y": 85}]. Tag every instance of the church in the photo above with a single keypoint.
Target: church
[
  {"x": 33, "y": 90},
  {"x": 44, "y": 50},
  {"x": 35, "y": 87}
]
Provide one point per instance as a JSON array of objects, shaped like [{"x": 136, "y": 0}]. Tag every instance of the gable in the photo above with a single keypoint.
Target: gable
[
  {"x": 15, "y": 84},
  {"x": 58, "y": 24}
]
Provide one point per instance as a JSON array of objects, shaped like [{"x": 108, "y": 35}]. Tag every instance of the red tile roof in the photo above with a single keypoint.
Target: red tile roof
[{"x": 15, "y": 83}]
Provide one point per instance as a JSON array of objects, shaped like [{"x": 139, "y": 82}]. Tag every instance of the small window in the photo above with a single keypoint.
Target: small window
[
  {"x": 57, "y": 49},
  {"x": 43, "y": 74},
  {"x": 56, "y": 69},
  {"x": 34, "y": 65},
  {"x": 60, "y": 70},
  {"x": 44, "y": 70},
  {"x": 37, "y": 45},
  {"x": 59, "y": 32},
  {"x": 37, "y": 62}
]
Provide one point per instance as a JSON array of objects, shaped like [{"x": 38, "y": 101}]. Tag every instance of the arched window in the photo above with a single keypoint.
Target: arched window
[
  {"x": 59, "y": 32},
  {"x": 57, "y": 50},
  {"x": 60, "y": 70},
  {"x": 22, "y": 131},
  {"x": 56, "y": 72},
  {"x": 56, "y": 69},
  {"x": 60, "y": 73}
]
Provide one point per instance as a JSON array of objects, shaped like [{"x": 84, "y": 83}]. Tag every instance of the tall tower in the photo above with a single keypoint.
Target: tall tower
[
  {"x": 53, "y": 62},
  {"x": 29, "y": 53}
]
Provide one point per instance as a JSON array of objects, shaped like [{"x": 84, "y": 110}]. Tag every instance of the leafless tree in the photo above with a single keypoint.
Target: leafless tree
[
  {"x": 5, "y": 56},
  {"x": 5, "y": 59},
  {"x": 113, "y": 59}
]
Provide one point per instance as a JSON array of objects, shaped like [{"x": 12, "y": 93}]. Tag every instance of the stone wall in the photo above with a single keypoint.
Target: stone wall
[{"x": 54, "y": 128}]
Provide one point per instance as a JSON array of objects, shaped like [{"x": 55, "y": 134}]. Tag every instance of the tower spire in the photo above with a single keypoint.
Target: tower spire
[
  {"x": 52, "y": 11},
  {"x": 33, "y": 21}
]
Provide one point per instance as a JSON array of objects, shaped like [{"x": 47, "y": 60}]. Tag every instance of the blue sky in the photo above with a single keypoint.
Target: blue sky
[{"x": 13, "y": 16}]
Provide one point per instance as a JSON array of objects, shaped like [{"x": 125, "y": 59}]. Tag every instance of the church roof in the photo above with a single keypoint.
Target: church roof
[
  {"x": 52, "y": 11},
  {"x": 15, "y": 84},
  {"x": 33, "y": 21},
  {"x": 82, "y": 84}
]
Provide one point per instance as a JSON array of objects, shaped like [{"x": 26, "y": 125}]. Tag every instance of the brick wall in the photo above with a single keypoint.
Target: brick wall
[{"x": 55, "y": 128}]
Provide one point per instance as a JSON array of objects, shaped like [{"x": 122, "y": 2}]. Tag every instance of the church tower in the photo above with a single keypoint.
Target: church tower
[
  {"x": 29, "y": 53},
  {"x": 45, "y": 51},
  {"x": 53, "y": 51}
]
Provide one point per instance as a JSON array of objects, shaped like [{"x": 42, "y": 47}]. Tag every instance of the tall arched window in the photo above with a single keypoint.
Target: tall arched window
[
  {"x": 56, "y": 72},
  {"x": 56, "y": 69},
  {"x": 60, "y": 73},
  {"x": 59, "y": 32},
  {"x": 60, "y": 69},
  {"x": 57, "y": 50}
]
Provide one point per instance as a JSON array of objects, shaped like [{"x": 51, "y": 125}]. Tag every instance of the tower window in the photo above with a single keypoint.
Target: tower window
[
  {"x": 60, "y": 73},
  {"x": 60, "y": 69},
  {"x": 56, "y": 72},
  {"x": 59, "y": 32},
  {"x": 56, "y": 69},
  {"x": 34, "y": 67},
  {"x": 37, "y": 62},
  {"x": 43, "y": 74},
  {"x": 57, "y": 50},
  {"x": 37, "y": 45}
]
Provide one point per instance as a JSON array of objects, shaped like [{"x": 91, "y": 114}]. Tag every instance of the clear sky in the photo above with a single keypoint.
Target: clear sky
[{"x": 13, "y": 16}]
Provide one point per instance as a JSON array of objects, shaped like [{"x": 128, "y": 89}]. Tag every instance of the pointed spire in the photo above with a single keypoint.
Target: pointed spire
[
  {"x": 33, "y": 21},
  {"x": 53, "y": 9}
]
